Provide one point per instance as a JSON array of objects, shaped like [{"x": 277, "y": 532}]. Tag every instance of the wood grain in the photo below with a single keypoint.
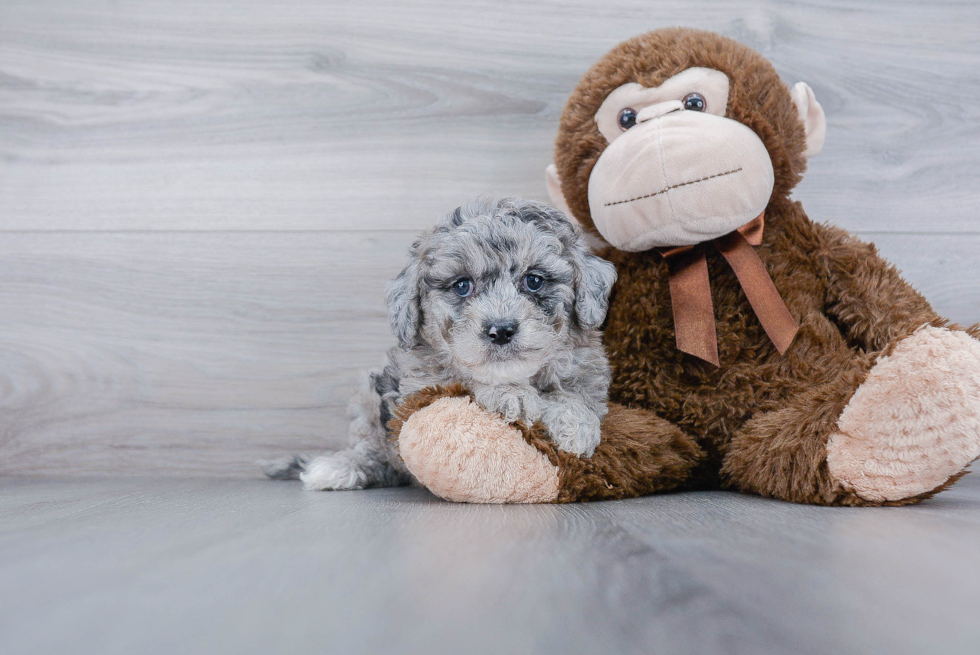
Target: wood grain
[
  {"x": 167, "y": 114},
  {"x": 254, "y": 566},
  {"x": 200, "y": 202},
  {"x": 199, "y": 352}
]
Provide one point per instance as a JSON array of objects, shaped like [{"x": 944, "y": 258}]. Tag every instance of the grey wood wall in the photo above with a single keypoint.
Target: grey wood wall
[{"x": 200, "y": 202}]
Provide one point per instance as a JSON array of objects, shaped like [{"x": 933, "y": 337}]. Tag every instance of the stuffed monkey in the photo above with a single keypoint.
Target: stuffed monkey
[{"x": 752, "y": 349}]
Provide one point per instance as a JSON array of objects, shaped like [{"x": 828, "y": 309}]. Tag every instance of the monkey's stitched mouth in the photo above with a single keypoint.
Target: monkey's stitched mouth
[{"x": 657, "y": 193}]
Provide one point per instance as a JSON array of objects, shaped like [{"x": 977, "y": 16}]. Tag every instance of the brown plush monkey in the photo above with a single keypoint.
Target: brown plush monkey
[{"x": 752, "y": 349}]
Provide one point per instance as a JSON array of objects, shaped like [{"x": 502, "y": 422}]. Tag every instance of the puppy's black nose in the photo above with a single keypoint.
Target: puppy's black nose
[{"x": 501, "y": 333}]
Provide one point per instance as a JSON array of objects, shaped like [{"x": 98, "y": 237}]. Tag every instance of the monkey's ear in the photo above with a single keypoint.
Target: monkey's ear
[
  {"x": 596, "y": 280},
  {"x": 814, "y": 120},
  {"x": 403, "y": 298},
  {"x": 554, "y": 192}
]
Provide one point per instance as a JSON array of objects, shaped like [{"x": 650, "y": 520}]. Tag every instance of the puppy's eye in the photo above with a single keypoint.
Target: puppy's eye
[
  {"x": 463, "y": 287},
  {"x": 627, "y": 118},
  {"x": 533, "y": 282},
  {"x": 695, "y": 102}
]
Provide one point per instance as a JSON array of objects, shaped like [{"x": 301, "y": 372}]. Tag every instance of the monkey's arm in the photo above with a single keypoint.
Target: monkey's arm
[
  {"x": 463, "y": 453},
  {"x": 640, "y": 453},
  {"x": 866, "y": 295}
]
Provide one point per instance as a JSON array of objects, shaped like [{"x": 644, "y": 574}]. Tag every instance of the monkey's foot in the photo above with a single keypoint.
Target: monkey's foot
[
  {"x": 914, "y": 424},
  {"x": 463, "y": 453}
]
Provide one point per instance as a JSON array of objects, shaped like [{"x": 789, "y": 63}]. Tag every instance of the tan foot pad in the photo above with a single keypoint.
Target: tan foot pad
[
  {"x": 463, "y": 453},
  {"x": 914, "y": 422}
]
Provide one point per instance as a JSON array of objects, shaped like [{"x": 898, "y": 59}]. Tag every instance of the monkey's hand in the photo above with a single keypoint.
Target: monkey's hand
[
  {"x": 465, "y": 453},
  {"x": 462, "y": 452}
]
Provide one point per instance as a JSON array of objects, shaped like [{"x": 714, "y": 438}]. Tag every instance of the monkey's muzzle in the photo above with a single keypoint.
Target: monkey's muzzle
[{"x": 681, "y": 178}]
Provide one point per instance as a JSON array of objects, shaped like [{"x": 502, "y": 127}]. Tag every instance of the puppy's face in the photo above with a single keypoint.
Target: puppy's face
[
  {"x": 498, "y": 288},
  {"x": 498, "y": 296}
]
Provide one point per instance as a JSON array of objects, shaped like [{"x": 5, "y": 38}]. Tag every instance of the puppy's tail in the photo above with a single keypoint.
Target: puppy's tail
[{"x": 284, "y": 468}]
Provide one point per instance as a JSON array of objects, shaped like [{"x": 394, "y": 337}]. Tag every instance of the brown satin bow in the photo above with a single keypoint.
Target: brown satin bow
[{"x": 690, "y": 292}]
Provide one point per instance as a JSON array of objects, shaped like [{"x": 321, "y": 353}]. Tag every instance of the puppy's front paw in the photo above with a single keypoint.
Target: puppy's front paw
[
  {"x": 333, "y": 472},
  {"x": 509, "y": 406},
  {"x": 573, "y": 429}
]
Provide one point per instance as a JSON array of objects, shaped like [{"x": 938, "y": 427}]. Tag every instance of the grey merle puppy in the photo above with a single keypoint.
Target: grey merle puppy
[{"x": 503, "y": 297}]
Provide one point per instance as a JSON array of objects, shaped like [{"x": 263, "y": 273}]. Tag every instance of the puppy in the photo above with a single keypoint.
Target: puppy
[{"x": 504, "y": 298}]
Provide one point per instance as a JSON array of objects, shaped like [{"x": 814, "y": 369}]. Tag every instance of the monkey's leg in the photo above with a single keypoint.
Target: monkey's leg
[
  {"x": 463, "y": 453},
  {"x": 913, "y": 426},
  {"x": 889, "y": 431},
  {"x": 783, "y": 453}
]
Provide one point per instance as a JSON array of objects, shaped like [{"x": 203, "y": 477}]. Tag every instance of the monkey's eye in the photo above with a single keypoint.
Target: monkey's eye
[
  {"x": 463, "y": 287},
  {"x": 533, "y": 282},
  {"x": 627, "y": 118},
  {"x": 694, "y": 102}
]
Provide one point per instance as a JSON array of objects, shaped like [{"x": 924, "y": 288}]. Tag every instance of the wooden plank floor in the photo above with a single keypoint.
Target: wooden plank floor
[{"x": 253, "y": 566}]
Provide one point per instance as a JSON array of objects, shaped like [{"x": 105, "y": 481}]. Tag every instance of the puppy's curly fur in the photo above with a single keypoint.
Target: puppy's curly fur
[{"x": 504, "y": 298}]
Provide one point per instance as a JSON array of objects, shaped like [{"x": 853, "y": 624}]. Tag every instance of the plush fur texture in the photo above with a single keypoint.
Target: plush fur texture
[
  {"x": 761, "y": 422},
  {"x": 482, "y": 460},
  {"x": 762, "y": 418},
  {"x": 915, "y": 419}
]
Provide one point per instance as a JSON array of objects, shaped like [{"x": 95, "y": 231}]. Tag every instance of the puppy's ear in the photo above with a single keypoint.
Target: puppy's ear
[
  {"x": 404, "y": 302},
  {"x": 596, "y": 278}
]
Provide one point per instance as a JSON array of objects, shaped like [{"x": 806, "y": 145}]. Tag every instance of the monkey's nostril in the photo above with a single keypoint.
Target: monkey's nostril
[{"x": 501, "y": 333}]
